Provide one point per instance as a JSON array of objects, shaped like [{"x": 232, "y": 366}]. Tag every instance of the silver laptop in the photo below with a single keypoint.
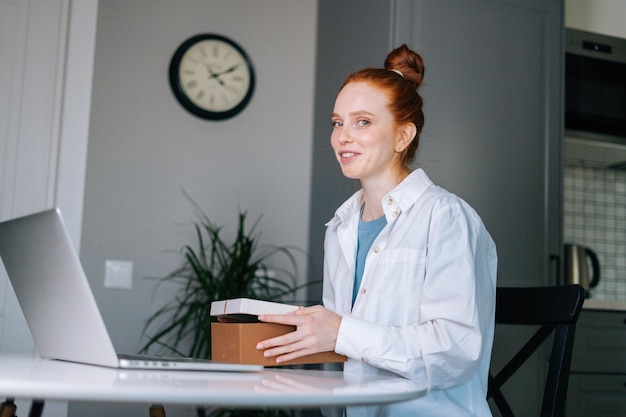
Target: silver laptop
[{"x": 58, "y": 303}]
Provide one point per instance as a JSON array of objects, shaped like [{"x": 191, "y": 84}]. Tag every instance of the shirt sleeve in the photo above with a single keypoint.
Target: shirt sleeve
[{"x": 443, "y": 346}]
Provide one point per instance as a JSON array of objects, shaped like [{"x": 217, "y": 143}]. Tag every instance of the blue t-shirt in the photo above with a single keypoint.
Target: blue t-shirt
[{"x": 367, "y": 233}]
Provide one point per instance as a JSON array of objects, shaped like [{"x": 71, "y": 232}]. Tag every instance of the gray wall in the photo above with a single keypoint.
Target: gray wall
[
  {"x": 144, "y": 147},
  {"x": 340, "y": 51}
]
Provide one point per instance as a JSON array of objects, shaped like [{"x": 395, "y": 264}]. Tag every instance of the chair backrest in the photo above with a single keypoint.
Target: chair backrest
[{"x": 554, "y": 310}]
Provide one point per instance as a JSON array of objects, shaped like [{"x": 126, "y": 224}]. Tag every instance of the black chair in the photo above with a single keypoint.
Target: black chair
[{"x": 555, "y": 310}]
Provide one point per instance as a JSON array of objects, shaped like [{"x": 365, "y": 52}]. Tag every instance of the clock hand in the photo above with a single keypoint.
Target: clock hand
[
  {"x": 217, "y": 74},
  {"x": 222, "y": 83},
  {"x": 214, "y": 74},
  {"x": 216, "y": 77}
]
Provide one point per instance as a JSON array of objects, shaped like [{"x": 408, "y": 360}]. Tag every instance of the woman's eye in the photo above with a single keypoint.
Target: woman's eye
[
  {"x": 362, "y": 122},
  {"x": 337, "y": 123}
]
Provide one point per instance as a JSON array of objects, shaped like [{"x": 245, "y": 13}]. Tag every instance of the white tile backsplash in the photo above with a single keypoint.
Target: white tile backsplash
[{"x": 594, "y": 215}]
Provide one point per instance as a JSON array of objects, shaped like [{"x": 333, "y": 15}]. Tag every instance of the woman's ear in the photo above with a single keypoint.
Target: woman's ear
[{"x": 406, "y": 135}]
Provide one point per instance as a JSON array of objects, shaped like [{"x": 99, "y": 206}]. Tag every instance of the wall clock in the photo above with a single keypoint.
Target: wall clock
[{"x": 212, "y": 76}]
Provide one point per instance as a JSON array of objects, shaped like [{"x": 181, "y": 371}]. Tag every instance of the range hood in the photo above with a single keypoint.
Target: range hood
[{"x": 592, "y": 153}]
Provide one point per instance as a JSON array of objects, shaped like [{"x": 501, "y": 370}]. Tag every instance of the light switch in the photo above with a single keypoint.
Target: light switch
[{"x": 118, "y": 274}]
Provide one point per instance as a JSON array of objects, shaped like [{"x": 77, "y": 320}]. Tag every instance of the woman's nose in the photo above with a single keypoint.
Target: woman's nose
[{"x": 345, "y": 136}]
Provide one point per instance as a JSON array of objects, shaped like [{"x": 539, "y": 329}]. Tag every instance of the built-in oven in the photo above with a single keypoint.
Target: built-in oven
[{"x": 595, "y": 97}]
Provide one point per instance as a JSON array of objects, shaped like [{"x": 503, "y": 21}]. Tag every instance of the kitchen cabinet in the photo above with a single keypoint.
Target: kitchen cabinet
[
  {"x": 492, "y": 94},
  {"x": 597, "y": 385}
]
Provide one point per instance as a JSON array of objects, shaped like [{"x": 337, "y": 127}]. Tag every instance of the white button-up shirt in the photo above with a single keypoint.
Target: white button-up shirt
[{"x": 425, "y": 309}]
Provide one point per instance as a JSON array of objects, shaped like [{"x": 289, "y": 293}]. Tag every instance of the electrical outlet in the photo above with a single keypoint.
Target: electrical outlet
[{"x": 118, "y": 274}]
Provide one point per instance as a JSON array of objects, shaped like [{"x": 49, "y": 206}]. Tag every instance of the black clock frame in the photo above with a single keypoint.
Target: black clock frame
[{"x": 177, "y": 87}]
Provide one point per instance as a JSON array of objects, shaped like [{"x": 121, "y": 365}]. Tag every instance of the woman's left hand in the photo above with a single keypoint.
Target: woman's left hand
[{"x": 316, "y": 331}]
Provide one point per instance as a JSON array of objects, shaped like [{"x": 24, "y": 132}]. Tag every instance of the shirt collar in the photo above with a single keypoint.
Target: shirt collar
[{"x": 403, "y": 196}]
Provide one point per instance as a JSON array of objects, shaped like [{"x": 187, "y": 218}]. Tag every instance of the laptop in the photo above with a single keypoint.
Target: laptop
[{"x": 58, "y": 304}]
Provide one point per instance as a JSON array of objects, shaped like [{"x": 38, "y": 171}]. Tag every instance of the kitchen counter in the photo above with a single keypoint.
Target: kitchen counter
[{"x": 612, "y": 305}]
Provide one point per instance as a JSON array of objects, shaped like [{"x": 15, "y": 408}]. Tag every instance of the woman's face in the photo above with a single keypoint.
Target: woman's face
[{"x": 364, "y": 133}]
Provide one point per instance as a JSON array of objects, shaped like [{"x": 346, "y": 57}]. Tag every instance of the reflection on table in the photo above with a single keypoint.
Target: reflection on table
[{"x": 25, "y": 377}]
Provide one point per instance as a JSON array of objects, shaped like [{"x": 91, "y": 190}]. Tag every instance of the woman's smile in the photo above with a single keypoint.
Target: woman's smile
[{"x": 347, "y": 156}]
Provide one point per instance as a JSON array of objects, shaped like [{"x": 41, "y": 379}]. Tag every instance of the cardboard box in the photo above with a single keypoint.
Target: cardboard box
[{"x": 236, "y": 343}]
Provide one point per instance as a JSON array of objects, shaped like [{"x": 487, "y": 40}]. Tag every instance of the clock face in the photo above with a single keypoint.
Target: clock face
[{"x": 212, "y": 77}]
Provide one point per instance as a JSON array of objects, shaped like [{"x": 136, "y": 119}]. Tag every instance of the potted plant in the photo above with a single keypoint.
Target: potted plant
[{"x": 214, "y": 269}]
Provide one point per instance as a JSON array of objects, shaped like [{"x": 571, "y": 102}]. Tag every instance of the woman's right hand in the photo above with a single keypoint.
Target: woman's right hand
[{"x": 316, "y": 331}]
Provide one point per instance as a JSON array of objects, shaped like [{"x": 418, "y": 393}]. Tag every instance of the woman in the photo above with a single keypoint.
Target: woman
[{"x": 409, "y": 268}]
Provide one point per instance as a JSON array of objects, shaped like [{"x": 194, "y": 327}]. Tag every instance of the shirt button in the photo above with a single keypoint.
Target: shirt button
[
  {"x": 389, "y": 201},
  {"x": 395, "y": 213},
  {"x": 376, "y": 249},
  {"x": 363, "y": 291}
]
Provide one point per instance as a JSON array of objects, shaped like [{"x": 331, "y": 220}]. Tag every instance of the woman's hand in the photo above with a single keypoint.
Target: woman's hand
[{"x": 316, "y": 331}]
